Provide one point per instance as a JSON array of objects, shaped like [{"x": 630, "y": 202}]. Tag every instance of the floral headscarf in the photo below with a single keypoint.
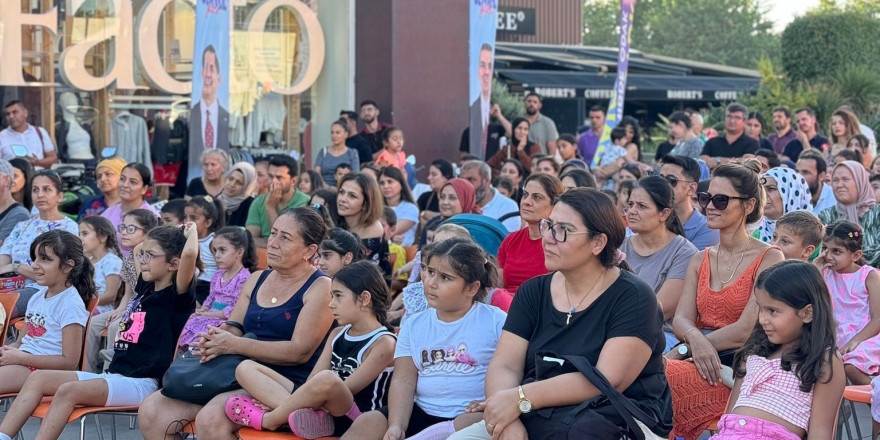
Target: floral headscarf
[{"x": 795, "y": 197}]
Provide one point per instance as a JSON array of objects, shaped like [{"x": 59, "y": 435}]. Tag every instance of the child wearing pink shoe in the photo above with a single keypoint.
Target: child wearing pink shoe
[
  {"x": 351, "y": 376},
  {"x": 789, "y": 377}
]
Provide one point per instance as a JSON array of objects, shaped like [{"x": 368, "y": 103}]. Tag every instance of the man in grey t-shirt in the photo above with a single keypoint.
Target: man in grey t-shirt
[
  {"x": 542, "y": 129},
  {"x": 11, "y": 213}
]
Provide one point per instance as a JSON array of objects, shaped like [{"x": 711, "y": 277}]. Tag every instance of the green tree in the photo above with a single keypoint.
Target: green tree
[{"x": 730, "y": 32}]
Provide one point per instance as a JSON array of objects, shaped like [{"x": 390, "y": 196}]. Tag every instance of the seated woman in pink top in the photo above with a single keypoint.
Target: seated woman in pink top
[
  {"x": 789, "y": 377},
  {"x": 134, "y": 182},
  {"x": 521, "y": 255}
]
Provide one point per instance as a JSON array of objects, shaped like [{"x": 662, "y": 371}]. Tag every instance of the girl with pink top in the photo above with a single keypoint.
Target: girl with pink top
[
  {"x": 789, "y": 378},
  {"x": 855, "y": 295},
  {"x": 236, "y": 257}
]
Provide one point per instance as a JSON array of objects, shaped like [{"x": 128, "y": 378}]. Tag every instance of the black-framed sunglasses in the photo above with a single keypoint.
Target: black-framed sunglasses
[
  {"x": 674, "y": 180},
  {"x": 559, "y": 233},
  {"x": 719, "y": 201}
]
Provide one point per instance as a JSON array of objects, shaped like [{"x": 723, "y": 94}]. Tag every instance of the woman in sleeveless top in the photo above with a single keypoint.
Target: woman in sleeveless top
[
  {"x": 284, "y": 307},
  {"x": 717, "y": 312}
]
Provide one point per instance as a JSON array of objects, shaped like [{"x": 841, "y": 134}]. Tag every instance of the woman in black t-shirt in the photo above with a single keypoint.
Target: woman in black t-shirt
[{"x": 587, "y": 306}]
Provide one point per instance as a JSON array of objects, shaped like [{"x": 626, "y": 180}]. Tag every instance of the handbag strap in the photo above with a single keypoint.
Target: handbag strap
[{"x": 621, "y": 403}]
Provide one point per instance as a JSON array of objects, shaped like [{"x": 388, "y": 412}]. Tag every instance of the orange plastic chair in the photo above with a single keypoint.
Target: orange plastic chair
[
  {"x": 410, "y": 252},
  {"x": 253, "y": 434},
  {"x": 7, "y": 300},
  {"x": 856, "y": 394},
  {"x": 262, "y": 259},
  {"x": 80, "y": 413}
]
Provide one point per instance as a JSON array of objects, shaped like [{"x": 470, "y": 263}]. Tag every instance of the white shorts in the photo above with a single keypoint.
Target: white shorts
[{"x": 121, "y": 390}]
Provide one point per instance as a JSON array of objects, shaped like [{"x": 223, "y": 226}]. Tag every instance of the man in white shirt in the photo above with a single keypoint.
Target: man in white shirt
[
  {"x": 812, "y": 166},
  {"x": 36, "y": 140},
  {"x": 493, "y": 204}
]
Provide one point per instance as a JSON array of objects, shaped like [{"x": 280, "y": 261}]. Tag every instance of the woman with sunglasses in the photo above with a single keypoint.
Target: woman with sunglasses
[
  {"x": 659, "y": 252},
  {"x": 717, "y": 311},
  {"x": 587, "y": 292},
  {"x": 134, "y": 182},
  {"x": 15, "y": 255}
]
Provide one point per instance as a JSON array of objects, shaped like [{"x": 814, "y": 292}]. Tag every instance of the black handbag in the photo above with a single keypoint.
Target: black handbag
[
  {"x": 608, "y": 416},
  {"x": 189, "y": 380}
]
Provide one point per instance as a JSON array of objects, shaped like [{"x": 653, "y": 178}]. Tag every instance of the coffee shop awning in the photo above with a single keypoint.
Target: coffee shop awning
[{"x": 592, "y": 85}]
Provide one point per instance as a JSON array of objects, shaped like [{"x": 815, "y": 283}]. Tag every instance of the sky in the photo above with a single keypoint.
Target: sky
[{"x": 782, "y": 12}]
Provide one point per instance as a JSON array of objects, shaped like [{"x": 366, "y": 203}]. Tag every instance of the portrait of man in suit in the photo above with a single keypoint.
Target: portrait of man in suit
[
  {"x": 208, "y": 119},
  {"x": 480, "y": 107}
]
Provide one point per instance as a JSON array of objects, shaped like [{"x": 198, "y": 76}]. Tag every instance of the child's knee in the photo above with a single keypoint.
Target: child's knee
[
  {"x": 245, "y": 368},
  {"x": 325, "y": 381}
]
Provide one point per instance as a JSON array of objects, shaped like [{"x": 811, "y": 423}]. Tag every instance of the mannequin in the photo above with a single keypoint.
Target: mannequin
[{"x": 77, "y": 141}]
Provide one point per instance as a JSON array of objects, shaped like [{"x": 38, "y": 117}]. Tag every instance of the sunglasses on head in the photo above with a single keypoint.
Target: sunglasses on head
[
  {"x": 719, "y": 201},
  {"x": 674, "y": 180}
]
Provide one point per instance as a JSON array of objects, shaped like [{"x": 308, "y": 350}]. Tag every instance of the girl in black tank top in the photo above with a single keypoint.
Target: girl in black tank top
[{"x": 351, "y": 376}]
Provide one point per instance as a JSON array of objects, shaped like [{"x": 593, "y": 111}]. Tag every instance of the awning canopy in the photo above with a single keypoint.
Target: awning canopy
[{"x": 642, "y": 87}]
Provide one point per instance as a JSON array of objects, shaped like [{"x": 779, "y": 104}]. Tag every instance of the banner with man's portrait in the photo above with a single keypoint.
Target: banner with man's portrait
[
  {"x": 209, "y": 115},
  {"x": 484, "y": 21}
]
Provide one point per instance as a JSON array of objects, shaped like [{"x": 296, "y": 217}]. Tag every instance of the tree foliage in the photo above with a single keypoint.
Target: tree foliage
[
  {"x": 826, "y": 41},
  {"x": 730, "y": 32}
]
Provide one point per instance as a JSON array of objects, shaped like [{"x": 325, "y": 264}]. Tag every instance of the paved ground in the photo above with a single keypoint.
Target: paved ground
[{"x": 123, "y": 433}]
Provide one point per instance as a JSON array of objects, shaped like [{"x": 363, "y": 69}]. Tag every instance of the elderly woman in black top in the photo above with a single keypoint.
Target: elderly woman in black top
[{"x": 587, "y": 306}]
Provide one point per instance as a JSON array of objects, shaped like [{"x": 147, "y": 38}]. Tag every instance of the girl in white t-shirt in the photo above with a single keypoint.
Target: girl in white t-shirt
[
  {"x": 207, "y": 214},
  {"x": 99, "y": 244},
  {"x": 442, "y": 353},
  {"x": 56, "y": 315}
]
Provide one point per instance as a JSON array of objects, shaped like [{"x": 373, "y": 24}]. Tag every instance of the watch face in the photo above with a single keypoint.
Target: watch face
[
  {"x": 525, "y": 406},
  {"x": 683, "y": 350}
]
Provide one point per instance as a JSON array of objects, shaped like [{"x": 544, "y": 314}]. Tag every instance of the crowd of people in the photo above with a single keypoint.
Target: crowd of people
[{"x": 729, "y": 275}]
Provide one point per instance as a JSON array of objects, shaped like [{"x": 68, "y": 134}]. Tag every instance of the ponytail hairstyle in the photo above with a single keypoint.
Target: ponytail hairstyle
[
  {"x": 469, "y": 261},
  {"x": 797, "y": 284},
  {"x": 746, "y": 180},
  {"x": 172, "y": 240},
  {"x": 143, "y": 217},
  {"x": 241, "y": 238},
  {"x": 213, "y": 210},
  {"x": 600, "y": 216},
  {"x": 68, "y": 248},
  {"x": 104, "y": 230},
  {"x": 343, "y": 242},
  {"x": 364, "y": 276},
  {"x": 661, "y": 193},
  {"x": 847, "y": 234}
]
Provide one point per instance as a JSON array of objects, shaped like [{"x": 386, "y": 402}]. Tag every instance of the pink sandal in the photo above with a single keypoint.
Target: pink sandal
[
  {"x": 310, "y": 424},
  {"x": 242, "y": 411}
]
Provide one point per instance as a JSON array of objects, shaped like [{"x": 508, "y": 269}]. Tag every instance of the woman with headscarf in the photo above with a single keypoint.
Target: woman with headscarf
[
  {"x": 456, "y": 197},
  {"x": 856, "y": 203},
  {"x": 786, "y": 191},
  {"x": 236, "y": 196}
]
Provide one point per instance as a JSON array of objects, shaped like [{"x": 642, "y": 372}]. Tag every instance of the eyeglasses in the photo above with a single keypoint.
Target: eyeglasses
[
  {"x": 559, "y": 233},
  {"x": 674, "y": 180},
  {"x": 719, "y": 201},
  {"x": 146, "y": 257},
  {"x": 128, "y": 229}
]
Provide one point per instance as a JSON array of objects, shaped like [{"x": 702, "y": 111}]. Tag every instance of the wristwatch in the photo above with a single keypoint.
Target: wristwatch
[
  {"x": 525, "y": 405},
  {"x": 683, "y": 349}
]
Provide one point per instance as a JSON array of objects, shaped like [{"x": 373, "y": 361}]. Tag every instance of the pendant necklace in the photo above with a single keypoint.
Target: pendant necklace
[
  {"x": 718, "y": 263},
  {"x": 573, "y": 308}
]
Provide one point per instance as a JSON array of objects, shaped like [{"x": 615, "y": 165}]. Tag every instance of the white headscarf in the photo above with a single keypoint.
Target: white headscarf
[
  {"x": 795, "y": 195},
  {"x": 250, "y": 179}
]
